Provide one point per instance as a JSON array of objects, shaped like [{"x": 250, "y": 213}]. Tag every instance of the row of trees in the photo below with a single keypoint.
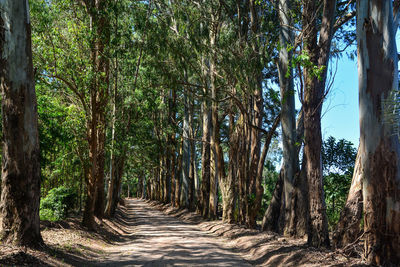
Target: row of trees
[{"x": 180, "y": 95}]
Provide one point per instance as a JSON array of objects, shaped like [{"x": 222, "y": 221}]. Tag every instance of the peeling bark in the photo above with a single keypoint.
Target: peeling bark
[
  {"x": 380, "y": 149},
  {"x": 20, "y": 179}
]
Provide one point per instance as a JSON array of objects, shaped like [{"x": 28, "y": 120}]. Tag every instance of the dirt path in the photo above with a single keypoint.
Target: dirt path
[
  {"x": 148, "y": 233},
  {"x": 151, "y": 238}
]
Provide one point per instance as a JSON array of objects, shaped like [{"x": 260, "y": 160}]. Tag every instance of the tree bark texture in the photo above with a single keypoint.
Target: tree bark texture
[
  {"x": 20, "y": 179},
  {"x": 288, "y": 113},
  {"x": 214, "y": 135},
  {"x": 205, "y": 159},
  {"x": 318, "y": 50},
  {"x": 98, "y": 101},
  {"x": 380, "y": 148}
]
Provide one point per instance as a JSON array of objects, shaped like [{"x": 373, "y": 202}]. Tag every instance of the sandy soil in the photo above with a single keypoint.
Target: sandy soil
[
  {"x": 145, "y": 233},
  {"x": 266, "y": 248}
]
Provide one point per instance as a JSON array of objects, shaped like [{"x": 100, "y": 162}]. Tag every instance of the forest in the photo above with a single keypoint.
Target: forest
[{"x": 205, "y": 106}]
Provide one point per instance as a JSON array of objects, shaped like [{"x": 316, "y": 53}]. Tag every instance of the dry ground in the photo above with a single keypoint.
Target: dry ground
[{"x": 145, "y": 233}]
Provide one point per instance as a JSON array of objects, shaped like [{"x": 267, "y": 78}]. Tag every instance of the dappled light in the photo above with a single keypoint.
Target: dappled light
[{"x": 193, "y": 133}]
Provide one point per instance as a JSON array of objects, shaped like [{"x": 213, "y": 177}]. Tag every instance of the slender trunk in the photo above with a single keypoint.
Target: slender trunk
[
  {"x": 139, "y": 191},
  {"x": 99, "y": 23},
  {"x": 205, "y": 153},
  {"x": 186, "y": 155},
  {"x": 275, "y": 215},
  {"x": 241, "y": 159},
  {"x": 288, "y": 113},
  {"x": 20, "y": 195},
  {"x": 214, "y": 136},
  {"x": 145, "y": 192},
  {"x": 112, "y": 181},
  {"x": 379, "y": 147},
  {"x": 178, "y": 177},
  {"x": 192, "y": 169},
  {"x": 118, "y": 169},
  {"x": 167, "y": 162},
  {"x": 348, "y": 228},
  {"x": 172, "y": 144},
  {"x": 228, "y": 212},
  {"x": 318, "y": 51},
  {"x": 88, "y": 214},
  {"x": 101, "y": 131}
]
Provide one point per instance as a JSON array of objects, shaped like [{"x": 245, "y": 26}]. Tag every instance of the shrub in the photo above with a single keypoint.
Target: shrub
[{"x": 58, "y": 202}]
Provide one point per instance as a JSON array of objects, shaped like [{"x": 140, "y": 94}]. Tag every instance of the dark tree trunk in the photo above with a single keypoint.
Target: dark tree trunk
[
  {"x": 205, "y": 160},
  {"x": 178, "y": 177},
  {"x": 214, "y": 135},
  {"x": 271, "y": 217},
  {"x": 318, "y": 50},
  {"x": 115, "y": 185},
  {"x": 99, "y": 204},
  {"x": 20, "y": 195},
  {"x": 98, "y": 101}
]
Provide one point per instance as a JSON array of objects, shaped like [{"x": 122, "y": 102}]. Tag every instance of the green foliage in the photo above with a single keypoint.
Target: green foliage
[
  {"x": 58, "y": 202},
  {"x": 336, "y": 187},
  {"x": 338, "y": 159},
  {"x": 304, "y": 60},
  {"x": 271, "y": 177}
]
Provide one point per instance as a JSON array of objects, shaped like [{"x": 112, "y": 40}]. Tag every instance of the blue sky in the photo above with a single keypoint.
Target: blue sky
[
  {"x": 341, "y": 118},
  {"x": 340, "y": 110}
]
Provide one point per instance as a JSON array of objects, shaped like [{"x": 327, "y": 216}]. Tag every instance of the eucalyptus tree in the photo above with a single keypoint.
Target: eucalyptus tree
[
  {"x": 317, "y": 23},
  {"x": 290, "y": 163},
  {"x": 77, "y": 57},
  {"x": 20, "y": 195},
  {"x": 290, "y": 142},
  {"x": 128, "y": 48},
  {"x": 379, "y": 147}
]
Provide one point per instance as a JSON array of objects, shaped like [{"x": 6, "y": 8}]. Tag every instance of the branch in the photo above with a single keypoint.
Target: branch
[
  {"x": 267, "y": 143},
  {"x": 74, "y": 89},
  {"x": 343, "y": 20}
]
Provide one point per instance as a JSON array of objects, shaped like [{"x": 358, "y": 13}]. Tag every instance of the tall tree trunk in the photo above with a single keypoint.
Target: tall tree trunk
[
  {"x": 228, "y": 209},
  {"x": 214, "y": 136},
  {"x": 101, "y": 131},
  {"x": 118, "y": 169},
  {"x": 205, "y": 153},
  {"x": 192, "y": 170},
  {"x": 275, "y": 215},
  {"x": 380, "y": 148},
  {"x": 318, "y": 51},
  {"x": 186, "y": 154},
  {"x": 172, "y": 144},
  {"x": 112, "y": 180},
  {"x": 88, "y": 213},
  {"x": 98, "y": 101},
  {"x": 20, "y": 195},
  {"x": 256, "y": 105},
  {"x": 348, "y": 228},
  {"x": 288, "y": 114}
]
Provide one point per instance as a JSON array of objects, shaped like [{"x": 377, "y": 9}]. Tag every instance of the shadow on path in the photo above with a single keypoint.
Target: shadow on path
[{"x": 151, "y": 238}]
